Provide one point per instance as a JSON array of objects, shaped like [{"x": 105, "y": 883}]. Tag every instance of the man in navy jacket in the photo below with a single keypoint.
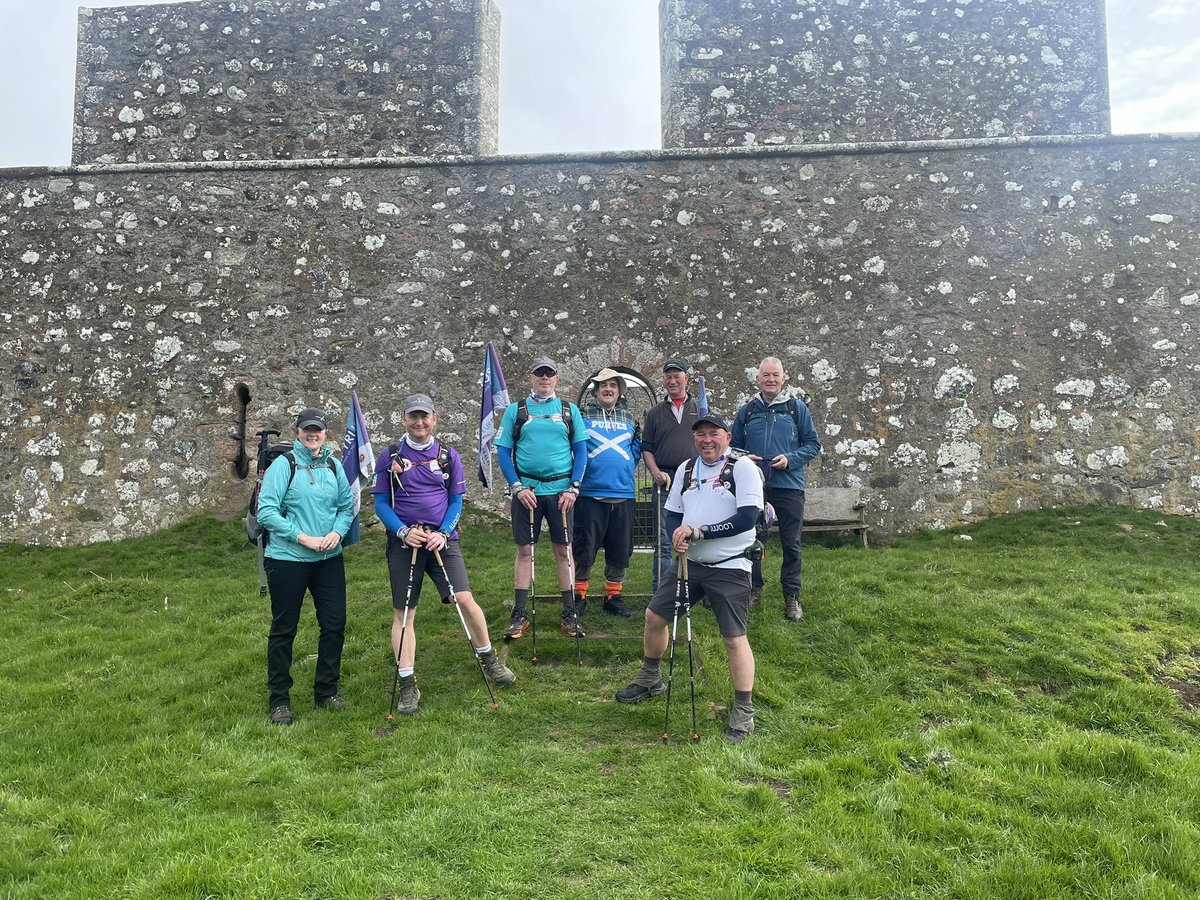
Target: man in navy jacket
[{"x": 777, "y": 430}]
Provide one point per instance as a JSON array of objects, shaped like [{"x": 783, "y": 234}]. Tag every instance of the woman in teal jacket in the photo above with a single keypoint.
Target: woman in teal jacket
[{"x": 306, "y": 507}]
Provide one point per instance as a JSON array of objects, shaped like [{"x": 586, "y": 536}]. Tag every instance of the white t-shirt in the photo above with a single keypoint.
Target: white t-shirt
[{"x": 705, "y": 501}]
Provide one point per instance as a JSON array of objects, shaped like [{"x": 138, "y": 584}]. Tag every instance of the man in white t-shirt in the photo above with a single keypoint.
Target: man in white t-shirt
[{"x": 710, "y": 514}]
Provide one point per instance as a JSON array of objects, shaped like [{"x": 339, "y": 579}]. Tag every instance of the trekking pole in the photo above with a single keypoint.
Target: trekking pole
[
  {"x": 674, "y": 628},
  {"x": 533, "y": 586},
  {"x": 657, "y": 530},
  {"x": 412, "y": 576},
  {"x": 687, "y": 612},
  {"x": 437, "y": 554},
  {"x": 571, "y": 575}
]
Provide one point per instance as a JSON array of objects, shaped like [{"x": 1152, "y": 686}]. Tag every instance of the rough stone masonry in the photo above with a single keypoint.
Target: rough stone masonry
[{"x": 985, "y": 324}]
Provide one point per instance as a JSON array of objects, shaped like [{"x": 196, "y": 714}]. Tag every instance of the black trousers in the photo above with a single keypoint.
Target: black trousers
[
  {"x": 603, "y": 525},
  {"x": 789, "y": 507},
  {"x": 288, "y": 581}
]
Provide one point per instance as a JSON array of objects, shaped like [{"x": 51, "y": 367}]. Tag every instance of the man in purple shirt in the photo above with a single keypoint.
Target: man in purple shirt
[{"x": 419, "y": 489}]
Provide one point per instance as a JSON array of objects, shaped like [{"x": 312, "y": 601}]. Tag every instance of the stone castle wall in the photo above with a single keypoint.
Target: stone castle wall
[
  {"x": 746, "y": 72},
  {"x": 982, "y": 327},
  {"x": 287, "y": 79}
]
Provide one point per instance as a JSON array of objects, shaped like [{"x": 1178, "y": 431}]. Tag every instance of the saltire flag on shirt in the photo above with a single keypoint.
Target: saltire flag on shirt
[
  {"x": 495, "y": 399},
  {"x": 701, "y": 397},
  {"x": 358, "y": 461}
]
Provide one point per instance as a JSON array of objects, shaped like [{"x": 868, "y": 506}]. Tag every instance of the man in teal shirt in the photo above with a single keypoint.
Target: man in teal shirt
[{"x": 542, "y": 452}]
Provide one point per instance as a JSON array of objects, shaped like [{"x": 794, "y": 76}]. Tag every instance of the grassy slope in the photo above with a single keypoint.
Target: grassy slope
[{"x": 952, "y": 719}]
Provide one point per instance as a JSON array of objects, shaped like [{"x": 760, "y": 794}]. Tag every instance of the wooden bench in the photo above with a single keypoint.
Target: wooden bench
[{"x": 835, "y": 509}]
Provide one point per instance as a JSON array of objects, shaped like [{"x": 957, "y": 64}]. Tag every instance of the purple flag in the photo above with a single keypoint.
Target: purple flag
[
  {"x": 701, "y": 397},
  {"x": 495, "y": 399},
  {"x": 358, "y": 461}
]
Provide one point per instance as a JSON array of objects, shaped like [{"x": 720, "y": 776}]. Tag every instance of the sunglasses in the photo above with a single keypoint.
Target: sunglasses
[{"x": 544, "y": 373}]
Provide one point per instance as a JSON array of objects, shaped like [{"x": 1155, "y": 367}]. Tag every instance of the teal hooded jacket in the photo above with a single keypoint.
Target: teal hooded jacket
[{"x": 317, "y": 502}]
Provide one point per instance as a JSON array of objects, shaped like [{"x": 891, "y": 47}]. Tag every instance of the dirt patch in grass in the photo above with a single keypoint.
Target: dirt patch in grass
[{"x": 1188, "y": 692}]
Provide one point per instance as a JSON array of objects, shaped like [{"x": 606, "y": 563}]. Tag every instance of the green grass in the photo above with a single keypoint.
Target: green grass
[{"x": 1009, "y": 716}]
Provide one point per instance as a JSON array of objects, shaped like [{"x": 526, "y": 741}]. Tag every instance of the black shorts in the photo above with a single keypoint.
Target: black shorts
[
  {"x": 399, "y": 559},
  {"x": 547, "y": 510},
  {"x": 604, "y": 525},
  {"x": 725, "y": 591}
]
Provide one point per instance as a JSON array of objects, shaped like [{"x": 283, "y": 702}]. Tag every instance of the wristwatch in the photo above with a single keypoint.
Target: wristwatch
[
  {"x": 697, "y": 533},
  {"x": 574, "y": 488}
]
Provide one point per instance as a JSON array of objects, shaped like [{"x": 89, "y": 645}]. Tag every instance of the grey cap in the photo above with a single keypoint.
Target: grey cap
[
  {"x": 675, "y": 364},
  {"x": 309, "y": 417},
  {"x": 418, "y": 403},
  {"x": 710, "y": 418},
  {"x": 543, "y": 362}
]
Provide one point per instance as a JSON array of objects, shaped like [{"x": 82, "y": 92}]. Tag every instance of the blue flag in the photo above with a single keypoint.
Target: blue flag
[
  {"x": 495, "y": 399},
  {"x": 358, "y": 460},
  {"x": 701, "y": 397}
]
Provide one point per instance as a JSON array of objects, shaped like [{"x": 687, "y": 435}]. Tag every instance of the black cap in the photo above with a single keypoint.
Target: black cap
[
  {"x": 309, "y": 417},
  {"x": 710, "y": 418},
  {"x": 675, "y": 364}
]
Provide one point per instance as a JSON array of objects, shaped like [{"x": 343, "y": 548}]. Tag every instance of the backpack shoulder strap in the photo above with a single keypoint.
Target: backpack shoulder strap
[
  {"x": 443, "y": 461},
  {"x": 290, "y": 456},
  {"x": 522, "y": 418},
  {"x": 687, "y": 473},
  {"x": 794, "y": 409},
  {"x": 569, "y": 412},
  {"x": 726, "y": 477}
]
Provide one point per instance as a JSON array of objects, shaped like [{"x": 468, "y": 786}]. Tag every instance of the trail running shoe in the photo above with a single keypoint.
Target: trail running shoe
[
  {"x": 570, "y": 625},
  {"x": 645, "y": 685},
  {"x": 615, "y": 606},
  {"x": 281, "y": 715},
  {"x": 792, "y": 610},
  {"x": 741, "y": 723},
  {"x": 497, "y": 671},
  {"x": 518, "y": 626},
  {"x": 410, "y": 694},
  {"x": 333, "y": 702}
]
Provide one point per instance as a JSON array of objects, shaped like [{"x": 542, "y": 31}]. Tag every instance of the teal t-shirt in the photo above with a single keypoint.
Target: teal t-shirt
[{"x": 543, "y": 454}]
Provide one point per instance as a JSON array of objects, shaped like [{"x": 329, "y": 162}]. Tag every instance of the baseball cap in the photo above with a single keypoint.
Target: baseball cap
[
  {"x": 418, "y": 403},
  {"x": 675, "y": 364},
  {"x": 309, "y": 417},
  {"x": 711, "y": 418},
  {"x": 543, "y": 362}
]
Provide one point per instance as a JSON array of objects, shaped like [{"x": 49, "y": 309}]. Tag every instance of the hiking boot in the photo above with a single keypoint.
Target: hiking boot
[
  {"x": 755, "y": 595},
  {"x": 281, "y": 714},
  {"x": 615, "y": 606},
  {"x": 792, "y": 610},
  {"x": 497, "y": 671},
  {"x": 741, "y": 723},
  {"x": 646, "y": 684},
  {"x": 570, "y": 624},
  {"x": 518, "y": 626},
  {"x": 410, "y": 694},
  {"x": 333, "y": 702}
]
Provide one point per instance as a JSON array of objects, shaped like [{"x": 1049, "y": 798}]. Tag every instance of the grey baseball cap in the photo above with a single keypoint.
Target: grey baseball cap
[
  {"x": 309, "y": 417},
  {"x": 543, "y": 362},
  {"x": 418, "y": 403}
]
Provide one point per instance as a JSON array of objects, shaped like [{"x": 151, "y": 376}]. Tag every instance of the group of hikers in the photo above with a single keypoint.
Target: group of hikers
[{"x": 573, "y": 470}]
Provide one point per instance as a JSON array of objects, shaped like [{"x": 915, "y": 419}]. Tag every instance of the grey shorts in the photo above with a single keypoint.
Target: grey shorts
[
  {"x": 725, "y": 591},
  {"x": 399, "y": 559}
]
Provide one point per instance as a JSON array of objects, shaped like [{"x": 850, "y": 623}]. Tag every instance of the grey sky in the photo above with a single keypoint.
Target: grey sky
[{"x": 582, "y": 74}]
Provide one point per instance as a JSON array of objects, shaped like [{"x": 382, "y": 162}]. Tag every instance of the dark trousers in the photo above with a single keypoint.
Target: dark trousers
[
  {"x": 288, "y": 581},
  {"x": 664, "y": 541},
  {"x": 608, "y": 525},
  {"x": 789, "y": 508}
]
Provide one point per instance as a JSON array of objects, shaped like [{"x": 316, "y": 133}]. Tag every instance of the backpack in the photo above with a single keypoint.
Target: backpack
[
  {"x": 569, "y": 411},
  {"x": 793, "y": 409},
  {"x": 255, "y": 533},
  {"x": 443, "y": 462},
  {"x": 762, "y": 522}
]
